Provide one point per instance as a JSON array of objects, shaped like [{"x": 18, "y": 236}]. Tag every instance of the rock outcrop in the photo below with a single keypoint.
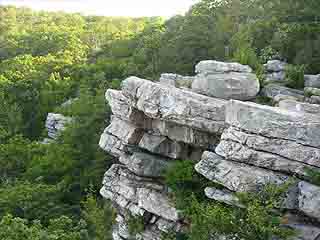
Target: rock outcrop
[
  {"x": 241, "y": 146},
  {"x": 55, "y": 123},
  {"x": 266, "y": 145},
  {"x": 225, "y": 80},
  {"x": 154, "y": 124}
]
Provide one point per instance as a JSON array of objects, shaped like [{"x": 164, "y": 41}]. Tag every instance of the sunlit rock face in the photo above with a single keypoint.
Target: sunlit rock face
[
  {"x": 225, "y": 80},
  {"x": 241, "y": 146}
]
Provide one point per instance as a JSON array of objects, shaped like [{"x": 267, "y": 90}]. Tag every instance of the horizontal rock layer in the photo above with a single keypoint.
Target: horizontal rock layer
[{"x": 240, "y": 146}]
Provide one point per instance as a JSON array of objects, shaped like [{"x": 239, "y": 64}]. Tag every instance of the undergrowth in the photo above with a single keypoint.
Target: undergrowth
[{"x": 258, "y": 220}]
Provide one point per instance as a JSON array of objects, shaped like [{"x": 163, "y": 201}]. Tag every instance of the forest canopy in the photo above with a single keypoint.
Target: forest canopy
[{"x": 49, "y": 58}]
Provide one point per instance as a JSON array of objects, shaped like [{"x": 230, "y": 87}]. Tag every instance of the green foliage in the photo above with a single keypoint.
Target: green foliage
[
  {"x": 48, "y": 58},
  {"x": 31, "y": 201},
  {"x": 99, "y": 216},
  {"x": 257, "y": 220},
  {"x": 135, "y": 225},
  {"x": 295, "y": 76},
  {"x": 264, "y": 100},
  {"x": 61, "y": 228},
  {"x": 314, "y": 176}
]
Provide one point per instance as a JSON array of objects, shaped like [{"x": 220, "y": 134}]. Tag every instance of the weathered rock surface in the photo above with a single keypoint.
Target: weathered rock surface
[
  {"x": 312, "y": 81},
  {"x": 240, "y": 146},
  {"x": 223, "y": 196},
  {"x": 164, "y": 146},
  {"x": 272, "y": 90},
  {"x": 275, "y": 66},
  {"x": 212, "y": 66},
  {"x": 175, "y": 105},
  {"x": 309, "y": 199},
  {"x": 281, "y": 148},
  {"x": 144, "y": 164},
  {"x": 55, "y": 124},
  {"x": 176, "y": 80},
  {"x": 274, "y": 122},
  {"x": 234, "y": 176},
  {"x": 240, "y": 153},
  {"x": 275, "y": 72},
  {"x": 226, "y": 80},
  {"x": 301, "y": 107}
]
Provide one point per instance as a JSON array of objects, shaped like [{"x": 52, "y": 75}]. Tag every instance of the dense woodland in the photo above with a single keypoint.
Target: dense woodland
[{"x": 50, "y": 191}]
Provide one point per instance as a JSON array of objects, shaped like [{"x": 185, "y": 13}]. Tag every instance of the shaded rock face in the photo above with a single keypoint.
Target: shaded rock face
[
  {"x": 225, "y": 80},
  {"x": 153, "y": 125},
  {"x": 273, "y": 90},
  {"x": 241, "y": 146},
  {"x": 55, "y": 123},
  {"x": 275, "y": 72}
]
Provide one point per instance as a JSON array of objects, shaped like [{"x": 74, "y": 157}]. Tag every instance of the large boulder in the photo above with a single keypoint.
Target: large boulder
[
  {"x": 275, "y": 71},
  {"x": 225, "y": 80},
  {"x": 175, "y": 105},
  {"x": 212, "y": 66},
  {"x": 312, "y": 81}
]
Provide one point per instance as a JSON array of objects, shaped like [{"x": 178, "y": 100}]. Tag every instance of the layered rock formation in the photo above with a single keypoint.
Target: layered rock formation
[
  {"x": 241, "y": 146},
  {"x": 153, "y": 125},
  {"x": 264, "y": 145}
]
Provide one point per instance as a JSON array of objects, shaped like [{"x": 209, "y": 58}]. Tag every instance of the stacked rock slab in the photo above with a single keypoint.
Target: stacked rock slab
[
  {"x": 152, "y": 126},
  {"x": 264, "y": 145},
  {"x": 225, "y": 80}
]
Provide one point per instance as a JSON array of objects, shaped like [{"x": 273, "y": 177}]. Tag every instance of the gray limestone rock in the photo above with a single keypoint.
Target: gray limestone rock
[
  {"x": 231, "y": 85},
  {"x": 290, "y": 150},
  {"x": 157, "y": 203},
  {"x": 125, "y": 131},
  {"x": 277, "y": 99},
  {"x": 312, "y": 81},
  {"x": 144, "y": 164},
  {"x": 223, "y": 196},
  {"x": 275, "y": 66},
  {"x": 175, "y": 105},
  {"x": 295, "y": 106},
  {"x": 176, "y": 80},
  {"x": 274, "y": 122},
  {"x": 55, "y": 124},
  {"x": 275, "y": 77},
  {"x": 309, "y": 199},
  {"x": 236, "y": 176},
  {"x": 120, "y": 107},
  {"x": 272, "y": 90},
  {"x": 163, "y": 146},
  {"x": 183, "y": 134},
  {"x": 212, "y": 66},
  {"x": 237, "y": 152}
]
